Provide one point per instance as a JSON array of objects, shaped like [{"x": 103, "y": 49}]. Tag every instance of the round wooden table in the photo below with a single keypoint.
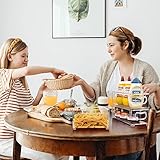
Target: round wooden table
[{"x": 60, "y": 138}]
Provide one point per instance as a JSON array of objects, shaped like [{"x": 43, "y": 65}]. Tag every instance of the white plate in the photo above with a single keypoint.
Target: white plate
[
  {"x": 42, "y": 117},
  {"x": 29, "y": 109}
]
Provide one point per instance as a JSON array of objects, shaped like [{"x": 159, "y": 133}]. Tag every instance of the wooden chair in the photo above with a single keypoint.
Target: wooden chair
[
  {"x": 150, "y": 125},
  {"x": 2, "y": 157}
]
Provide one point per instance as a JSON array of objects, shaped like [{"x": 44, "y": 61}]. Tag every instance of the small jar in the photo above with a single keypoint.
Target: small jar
[
  {"x": 104, "y": 109},
  {"x": 103, "y": 104},
  {"x": 102, "y": 101}
]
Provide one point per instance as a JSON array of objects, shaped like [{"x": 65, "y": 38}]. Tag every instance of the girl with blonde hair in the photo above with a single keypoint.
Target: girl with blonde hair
[{"x": 15, "y": 93}]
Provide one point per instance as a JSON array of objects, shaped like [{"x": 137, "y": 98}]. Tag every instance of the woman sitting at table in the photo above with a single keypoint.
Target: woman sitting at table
[
  {"x": 122, "y": 47},
  {"x": 15, "y": 94}
]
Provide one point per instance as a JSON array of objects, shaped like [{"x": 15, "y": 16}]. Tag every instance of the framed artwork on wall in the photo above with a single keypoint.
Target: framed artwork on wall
[
  {"x": 78, "y": 19},
  {"x": 120, "y": 3}
]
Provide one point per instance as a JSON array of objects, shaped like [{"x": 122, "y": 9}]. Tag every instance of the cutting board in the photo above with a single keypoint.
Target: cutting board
[{"x": 42, "y": 117}]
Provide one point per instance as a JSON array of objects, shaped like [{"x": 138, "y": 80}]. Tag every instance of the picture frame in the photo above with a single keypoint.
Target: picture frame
[
  {"x": 88, "y": 22},
  {"x": 120, "y": 3}
]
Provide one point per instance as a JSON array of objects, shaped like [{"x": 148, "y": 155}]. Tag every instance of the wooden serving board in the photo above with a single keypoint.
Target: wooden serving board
[
  {"x": 42, "y": 117},
  {"x": 88, "y": 127}
]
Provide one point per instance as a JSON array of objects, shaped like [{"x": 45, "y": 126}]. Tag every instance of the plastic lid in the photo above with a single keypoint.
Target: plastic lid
[
  {"x": 129, "y": 78},
  {"x": 122, "y": 78},
  {"x": 102, "y": 100},
  {"x": 136, "y": 80}
]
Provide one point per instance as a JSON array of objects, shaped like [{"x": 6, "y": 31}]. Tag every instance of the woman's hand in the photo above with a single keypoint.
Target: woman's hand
[
  {"x": 77, "y": 80},
  {"x": 150, "y": 88},
  {"x": 155, "y": 89}
]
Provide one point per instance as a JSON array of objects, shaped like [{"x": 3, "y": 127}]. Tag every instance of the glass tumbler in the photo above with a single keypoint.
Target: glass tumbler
[{"x": 50, "y": 97}]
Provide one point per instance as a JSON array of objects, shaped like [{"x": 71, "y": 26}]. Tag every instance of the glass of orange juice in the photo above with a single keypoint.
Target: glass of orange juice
[
  {"x": 50, "y": 97},
  {"x": 111, "y": 98}
]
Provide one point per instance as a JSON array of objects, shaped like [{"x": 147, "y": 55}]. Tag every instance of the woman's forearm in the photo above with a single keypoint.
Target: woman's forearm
[{"x": 87, "y": 90}]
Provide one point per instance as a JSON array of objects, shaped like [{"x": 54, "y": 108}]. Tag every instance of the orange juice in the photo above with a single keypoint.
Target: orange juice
[
  {"x": 120, "y": 91},
  {"x": 50, "y": 100},
  {"x": 110, "y": 101},
  {"x": 125, "y": 100},
  {"x": 127, "y": 87},
  {"x": 111, "y": 98},
  {"x": 119, "y": 99},
  {"x": 115, "y": 100},
  {"x": 50, "y": 97}
]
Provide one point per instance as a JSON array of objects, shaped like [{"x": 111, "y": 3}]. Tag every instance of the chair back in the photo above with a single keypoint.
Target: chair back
[{"x": 150, "y": 125}]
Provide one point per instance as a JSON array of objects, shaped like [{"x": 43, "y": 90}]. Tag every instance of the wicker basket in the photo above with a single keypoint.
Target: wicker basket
[{"x": 64, "y": 82}]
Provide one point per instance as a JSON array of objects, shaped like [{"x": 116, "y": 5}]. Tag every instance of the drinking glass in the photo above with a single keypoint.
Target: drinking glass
[
  {"x": 111, "y": 98},
  {"x": 50, "y": 97}
]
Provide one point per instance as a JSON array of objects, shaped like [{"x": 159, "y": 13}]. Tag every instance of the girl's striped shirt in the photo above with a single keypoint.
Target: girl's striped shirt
[{"x": 13, "y": 96}]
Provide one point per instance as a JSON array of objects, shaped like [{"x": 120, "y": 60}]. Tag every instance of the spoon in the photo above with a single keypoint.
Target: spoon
[{"x": 71, "y": 93}]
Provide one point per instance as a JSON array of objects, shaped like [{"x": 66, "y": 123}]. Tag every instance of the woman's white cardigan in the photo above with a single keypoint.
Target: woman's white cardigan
[{"x": 140, "y": 69}]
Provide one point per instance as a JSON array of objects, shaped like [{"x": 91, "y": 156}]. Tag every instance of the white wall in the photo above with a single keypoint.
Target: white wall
[
  {"x": 142, "y": 17},
  {"x": 31, "y": 20}
]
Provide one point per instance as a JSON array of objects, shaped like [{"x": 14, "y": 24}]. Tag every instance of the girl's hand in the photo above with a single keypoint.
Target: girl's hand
[
  {"x": 58, "y": 73},
  {"x": 39, "y": 94},
  {"x": 150, "y": 88},
  {"x": 42, "y": 88}
]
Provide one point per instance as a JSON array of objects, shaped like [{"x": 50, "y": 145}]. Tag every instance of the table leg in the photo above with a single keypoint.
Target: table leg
[
  {"x": 153, "y": 153},
  {"x": 16, "y": 149},
  {"x": 100, "y": 150},
  {"x": 76, "y": 158}
]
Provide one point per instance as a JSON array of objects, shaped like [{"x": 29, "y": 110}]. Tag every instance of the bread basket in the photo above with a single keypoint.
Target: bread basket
[{"x": 64, "y": 82}]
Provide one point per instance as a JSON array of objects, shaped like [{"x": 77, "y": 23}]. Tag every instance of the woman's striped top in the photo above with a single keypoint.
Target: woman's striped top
[{"x": 13, "y": 96}]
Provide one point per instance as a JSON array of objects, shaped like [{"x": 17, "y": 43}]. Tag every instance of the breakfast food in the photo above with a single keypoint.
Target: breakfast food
[
  {"x": 66, "y": 103},
  {"x": 50, "y": 112},
  {"x": 70, "y": 103},
  {"x": 63, "y": 82},
  {"x": 61, "y": 105},
  {"x": 90, "y": 120},
  {"x": 73, "y": 109},
  {"x": 94, "y": 109}
]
